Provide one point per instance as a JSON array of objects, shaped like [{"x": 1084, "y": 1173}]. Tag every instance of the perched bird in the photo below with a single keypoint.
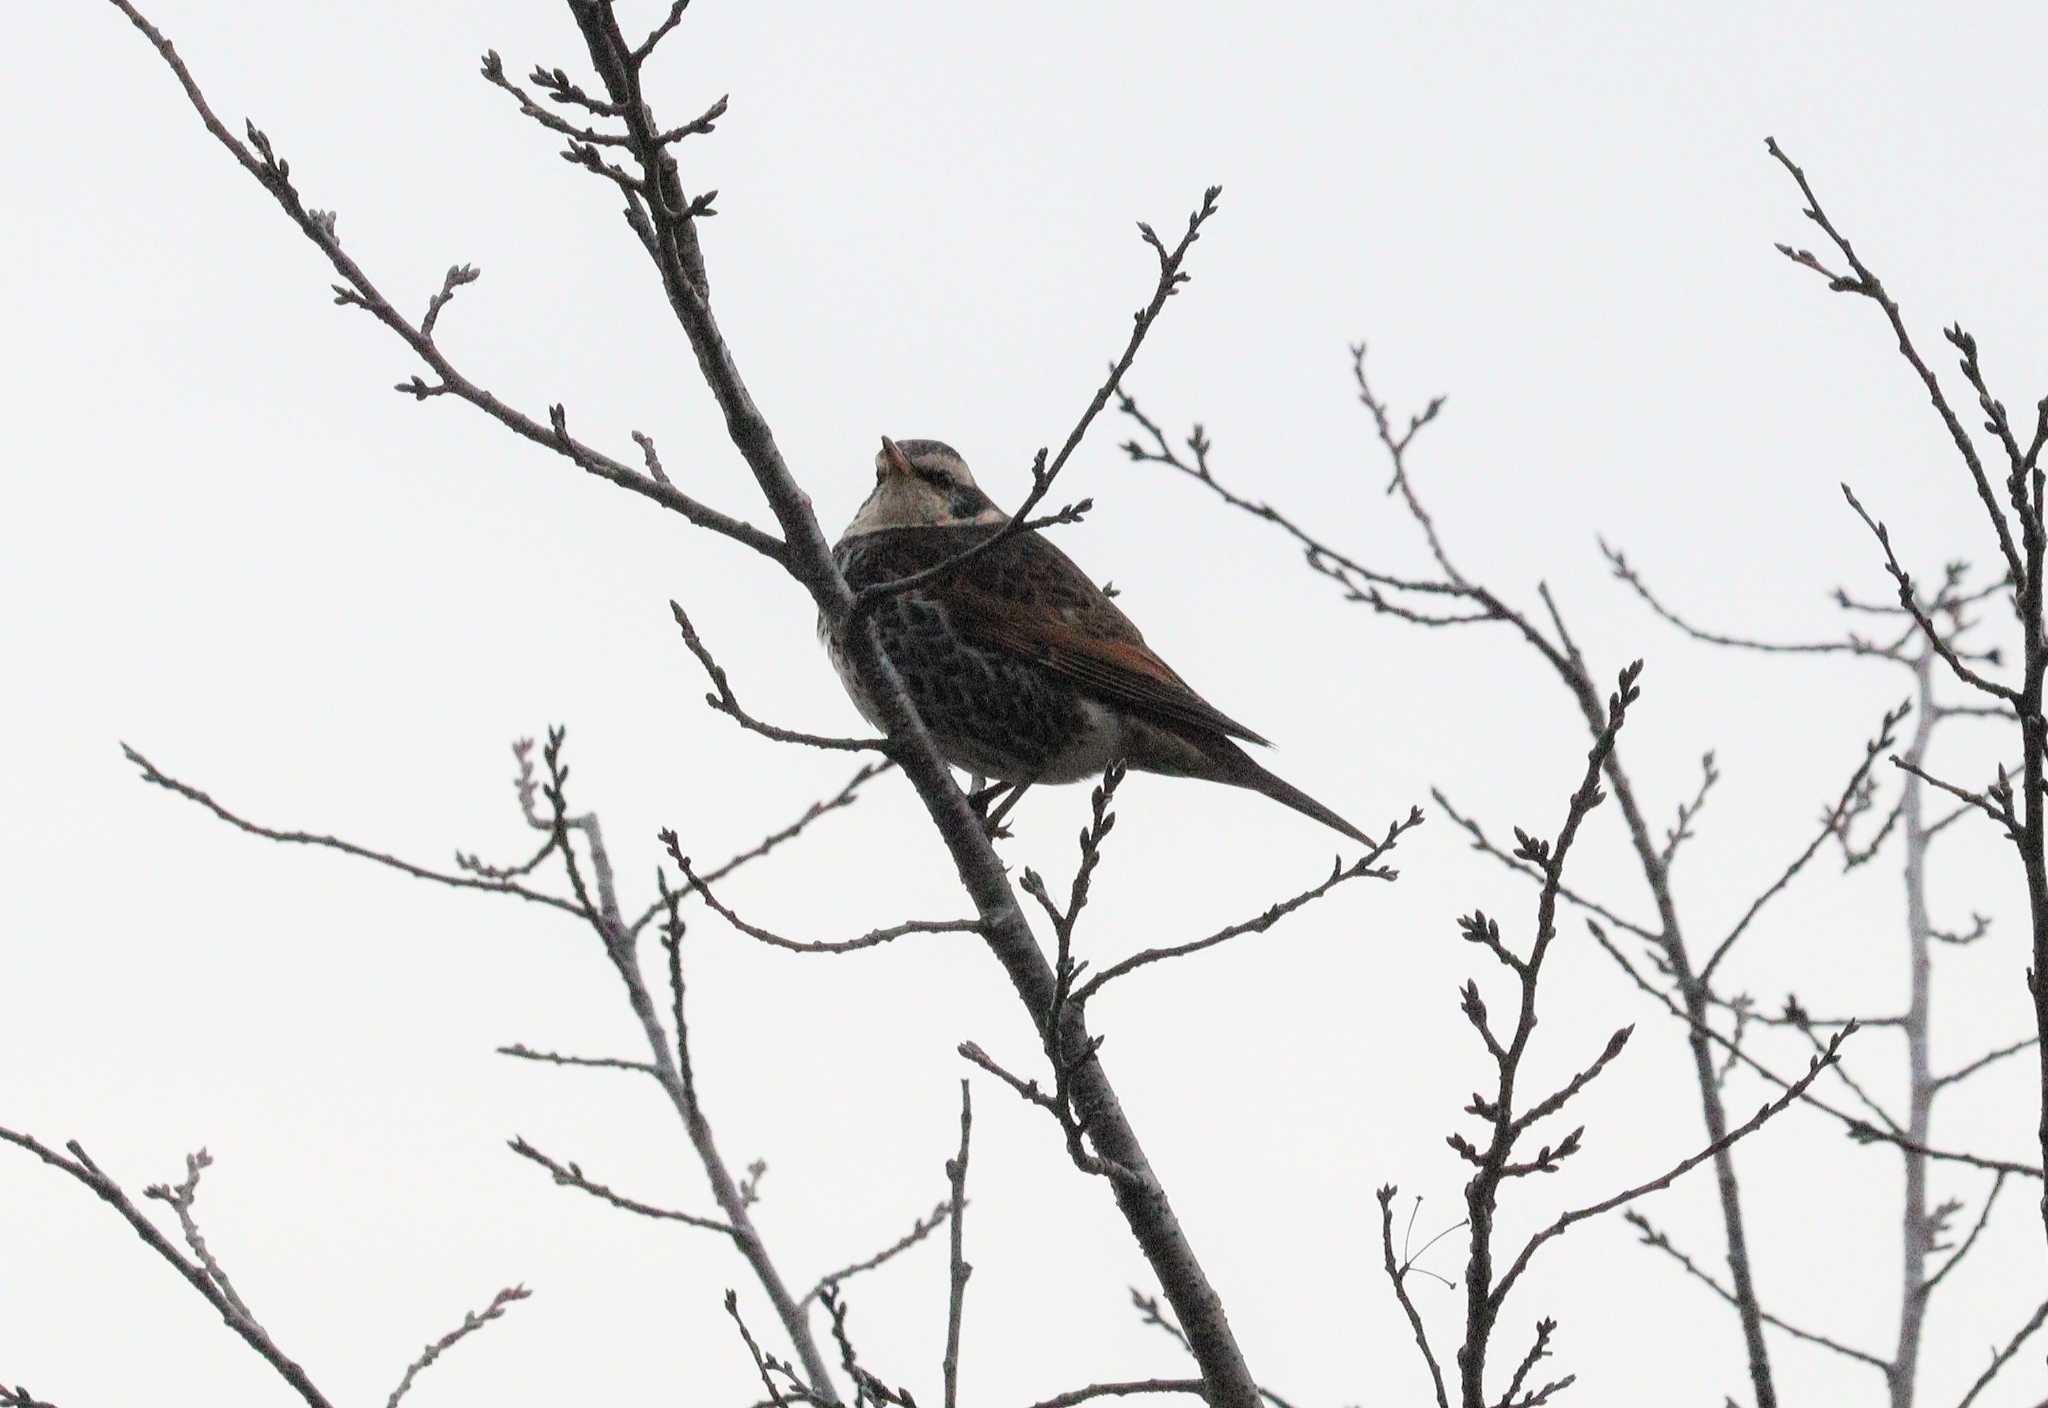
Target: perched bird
[{"x": 1022, "y": 668}]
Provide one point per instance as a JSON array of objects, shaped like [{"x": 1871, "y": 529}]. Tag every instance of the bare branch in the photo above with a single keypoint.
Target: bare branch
[
  {"x": 724, "y": 702},
  {"x": 1059, "y": 1108},
  {"x": 1365, "y": 867},
  {"x": 1328, "y": 560},
  {"x": 181, "y": 1198},
  {"x": 1862, "y": 281},
  {"x": 1681, "y": 830},
  {"x": 1664, "y": 1180},
  {"x": 1483, "y": 844},
  {"x": 557, "y": 1058},
  {"x": 472, "y": 1321},
  {"x": 151, "y": 774},
  {"x": 273, "y": 173},
  {"x": 572, "y": 1176},
  {"x": 1539, "y": 1349},
  {"x": 645, "y": 47},
  {"x": 20, "y": 1397},
  {"x": 1626, "y": 572},
  {"x": 956, "y": 1299},
  {"x": 1860, "y": 1130},
  {"x": 1854, "y": 855},
  {"x": 1121, "y": 1389},
  {"x": 1854, "y": 1086},
  {"x": 844, "y": 797},
  {"x": 1831, "y": 825},
  {"x": 1997, "y": 804},
  {"x": 1543, "y": 1109},
  {"x": 1654, "y": 1238},
  {"x": 1964, "y": 1072},
  {"x": 919, "y": 1230},
  {"x": 1397, "y": 1274},
  {"x": 1150, "y": 1312},
  {"x": 1926, "y": 1288},
  {"x": 456, "y": 277},
  {"x": 872, "y": 939},
  {"x": 493, "y": 70},
  {"x": 200, "y": 1275},
  {"x": 867, "y": 1387},
  {"x": 2002, "y": 1357},
  {"x": 764, "y": 1365},
  {"x": 1910, "y": 599}
]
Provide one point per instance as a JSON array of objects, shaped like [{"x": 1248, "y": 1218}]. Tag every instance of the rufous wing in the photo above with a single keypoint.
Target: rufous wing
[{"x": 1035, "y": 603}]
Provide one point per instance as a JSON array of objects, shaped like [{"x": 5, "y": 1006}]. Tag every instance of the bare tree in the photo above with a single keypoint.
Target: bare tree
[
  {"x": 1676, "y": 974},
  {"x": 1923, "y": 1224},
  {"x": 1508, "y": 1117},
  {"x": 614, "y": 133},
  {"x": 2017, "y": 526}
]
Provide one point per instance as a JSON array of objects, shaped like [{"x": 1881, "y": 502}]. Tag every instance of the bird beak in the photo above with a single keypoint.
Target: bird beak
[{"x": 892, "y": 460}]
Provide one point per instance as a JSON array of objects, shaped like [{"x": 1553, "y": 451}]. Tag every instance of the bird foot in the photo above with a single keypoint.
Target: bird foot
[{"x": 991, "y": 822}]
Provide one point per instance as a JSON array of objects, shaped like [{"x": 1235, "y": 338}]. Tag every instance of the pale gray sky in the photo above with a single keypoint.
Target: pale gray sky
[{"x": 231, "y": 546}]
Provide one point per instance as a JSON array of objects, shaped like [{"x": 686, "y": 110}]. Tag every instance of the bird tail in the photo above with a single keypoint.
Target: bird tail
[{"x": 1236, "y": 767}]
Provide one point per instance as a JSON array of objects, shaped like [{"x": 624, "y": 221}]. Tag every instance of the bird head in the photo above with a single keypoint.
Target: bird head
[{"x": 923, "y": 484}]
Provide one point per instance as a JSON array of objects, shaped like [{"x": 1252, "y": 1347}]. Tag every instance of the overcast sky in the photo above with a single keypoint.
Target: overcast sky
[{"x": 230, "y": 545}]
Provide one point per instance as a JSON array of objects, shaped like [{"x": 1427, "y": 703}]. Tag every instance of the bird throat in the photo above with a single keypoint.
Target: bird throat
[{"x": 903, "y": 501}]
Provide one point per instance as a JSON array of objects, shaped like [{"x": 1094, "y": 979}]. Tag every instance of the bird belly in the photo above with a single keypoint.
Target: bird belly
[
  {"x": 990, "y": 713},
  {"x": 1097, "y": 744}
]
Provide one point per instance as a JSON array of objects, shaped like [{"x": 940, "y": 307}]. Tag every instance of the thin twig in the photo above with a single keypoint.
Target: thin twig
[
  {"x": 181, "y": 1198},
  {"x": 151, "y": 774},
  {"x": 1964, "y": 1072},
  {"x": 919, "y": 1230},
  {"x": 1860, "y": 1130},
  {"x": 1653, "y": 1237},
  {"x": 1121, "y": 1389},
  {"x": 1397, "y": 1274},
  {"x": 572, "y": 1176},
  {"x": 1539, "y": 1349},
  {"x": 959, "y": 1270},
  {"x": 1626, "y": 572},
  {"x": 871, "y": 939},
  {"x": 2002, "y": 1357},
  {"x": 846, "y": 796},
  {"x": 1764, "y": 1114},
  {"x": 1862, "y": 281},
  {"x": 1482, "y": 843},
  {"x": 722, "y": 699},
  {"x": 1831, "y": 825},
  {"x": 81, "y": 1167},
  {"x": 763, "y": 1365},
  {"x": 472, "y": 1321},
  {"x": 1365, "y": 867},
  {"x": 273, "y": 173},
  {"x": 556, "y": 1058},
  {"x": 1926, "y": 1288},
  {"x": 1910, "y": 599}
]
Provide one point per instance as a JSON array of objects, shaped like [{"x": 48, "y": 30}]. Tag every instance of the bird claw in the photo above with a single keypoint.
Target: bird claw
[{"x": 991, "y": 824}]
